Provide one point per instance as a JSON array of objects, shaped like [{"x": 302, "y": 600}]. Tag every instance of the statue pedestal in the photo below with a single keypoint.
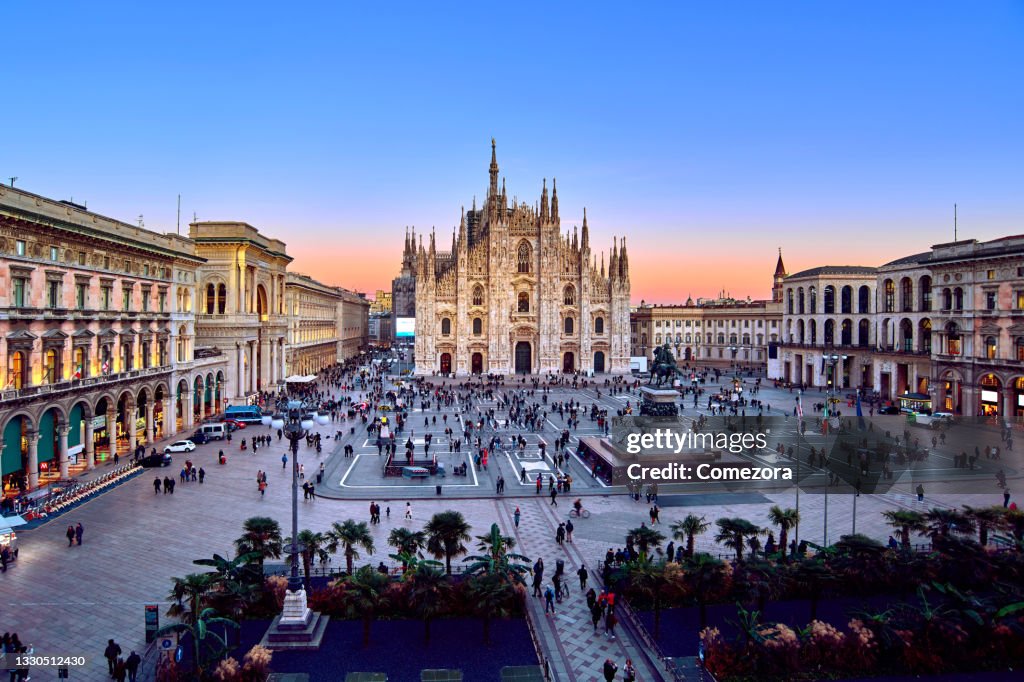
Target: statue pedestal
[
  {"x": 658, "y": 402},
  {"x": 297, "y": 628}
]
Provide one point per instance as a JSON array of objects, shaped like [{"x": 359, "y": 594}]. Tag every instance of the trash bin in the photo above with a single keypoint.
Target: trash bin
[
  {"x": 352, "y": 430},
  {"x": 438, "y": 489}
]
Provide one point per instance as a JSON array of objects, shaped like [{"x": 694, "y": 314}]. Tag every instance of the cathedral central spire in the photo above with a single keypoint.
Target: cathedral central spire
[{"x": 493, "y": 192}]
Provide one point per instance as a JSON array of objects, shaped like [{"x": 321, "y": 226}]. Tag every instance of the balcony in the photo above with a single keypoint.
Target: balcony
[{"x": 51, "y": 392}]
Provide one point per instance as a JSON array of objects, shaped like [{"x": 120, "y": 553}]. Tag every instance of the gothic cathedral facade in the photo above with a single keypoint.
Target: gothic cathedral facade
[{"x": 516, "y": 296}]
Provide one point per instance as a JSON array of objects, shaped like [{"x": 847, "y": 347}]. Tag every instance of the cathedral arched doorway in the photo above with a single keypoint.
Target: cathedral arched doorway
[
  {"x": 599, "y": 362},
  {"x": 688, "y": 354},
  {"x": 446, "y": 363},
  {"x": 569, "y": 363},
  {"x": 524, "y": 358},
  {"x": 477, "y": 363}
]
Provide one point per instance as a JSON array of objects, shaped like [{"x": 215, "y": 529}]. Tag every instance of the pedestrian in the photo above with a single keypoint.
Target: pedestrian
[
  {"x": 119, "y": 670},
  {"x": 628, "y": 671},
  {"x": 595, "y": 614},
  {"x": 262, "y": 485},
  {"x": 132, "y": 666},
  {"x": 554, "y": 495},
  {"x": 78, "y": 533},
  {"x": 284, "y": 460},
  {"x": 610, "y": 621},
  {"x": 111, "y": 653},
  {"x": 157, "y": 483},
  {"x": 518, "y": 514},
  {"x": 408, "y": 511},
  {"x": 70, "y": 535},
  {"x": 568, "y": 530},
  {"x": 560, "y": 534},
  {"x": 609, "y": 670},
  {"x": 170, "y": 482},
  {"x": 202, "y": 474},
  {"x": 1006, "y": 498},
  {"x": 920, "y": 493},
  {"x": 549, "y": 599},
  {"x": 582, "y": 573}
]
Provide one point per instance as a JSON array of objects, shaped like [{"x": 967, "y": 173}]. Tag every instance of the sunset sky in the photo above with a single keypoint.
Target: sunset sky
[{"x": 710, "y": 134}]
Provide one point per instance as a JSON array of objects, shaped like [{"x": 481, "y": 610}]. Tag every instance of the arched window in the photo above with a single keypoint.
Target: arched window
[
  {"x": 814, "y": 301},
  {"x": 210, "y": 296},
  {"x": 599, "y": 325},
  {"x": 478, "y": 326},
  {"x": 478, "y": 295},
  {"x": 222, "y": 298},
  {"x": 568, "y": 325},
  {"x": 953, "y": 339},
  {"x": 925, "y": 336},
  {"x": 846, "y": 300},
  {"x": 569, "y": 295},
  {"x": 800, "y": 301},
  {"x": 17, "y": 370},
  {"x": 990, "y": 347},
  {"x": 958, "y": 299},
  {"x": 925, "y": 286},
  {"x": 524, "y": 302},
  {"x": 846, "y": 333},
  {"x": 446, "y": 326},
  {"x": 890, "y": 296},
  {"x": 863, "y": 333},
  {"x": 830, "y": 332},
  {"x": 789, "y": 301},
  {"x": 906, "y": 335},
  {"x": 830, "y": 300},
  {"x": 524, "y": 257},
  {"x": 906, "y": 295},
  {"x": 812, "y": 332},
  {"x": 947, "y": 299},
  {"x": 800, "y": 331},
  {"x": 864, "y": 299}
]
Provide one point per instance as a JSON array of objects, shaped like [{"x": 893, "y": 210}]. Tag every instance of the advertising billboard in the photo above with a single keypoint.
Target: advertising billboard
[{"x": 405, "y": 327}]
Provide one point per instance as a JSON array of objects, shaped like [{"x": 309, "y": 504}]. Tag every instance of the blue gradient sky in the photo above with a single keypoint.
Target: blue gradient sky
[{"x": 708, "y": 133}]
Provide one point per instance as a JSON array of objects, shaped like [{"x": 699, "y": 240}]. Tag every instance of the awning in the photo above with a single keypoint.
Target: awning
[{"x": 296, "y": 379}]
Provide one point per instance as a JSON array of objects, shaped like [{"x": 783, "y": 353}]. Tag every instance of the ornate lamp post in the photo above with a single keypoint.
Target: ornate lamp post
[{"x": 297, "y": 625}]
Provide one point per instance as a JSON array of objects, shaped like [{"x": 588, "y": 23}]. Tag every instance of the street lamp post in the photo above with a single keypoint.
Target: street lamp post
[{"x": 833, "y": 361}]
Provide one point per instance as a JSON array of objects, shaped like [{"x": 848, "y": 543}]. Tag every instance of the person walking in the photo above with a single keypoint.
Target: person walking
[
  {"x": 538, "y": 576},
  {"x": 610, "y": 620},
  {"x": 78, "y": 533},
  {"x": 560, "y": 534},
  {"x": 582, "y": 573},
  {"x": 595, "y": 614},
  {"x": 132, "y": 666},
  {"x": 202, "y": 474},
  {"x": 111, "y": 653},
  {"x": 549, "y": 599},
  {"x": 518, "y": 514},
  {"x": 70, "y": 535},
  {"x": 284, "y": 460},
  {"x": 568, "y": 530},
  {"x": 920, "y": 493},
  {"x": 610, "y": 669},
  {"x": 554, "y": 496},
  {"x": 628, "y": 671},
  {"x": 157, "y": 484},
  {"x": 408, "y": 511}
]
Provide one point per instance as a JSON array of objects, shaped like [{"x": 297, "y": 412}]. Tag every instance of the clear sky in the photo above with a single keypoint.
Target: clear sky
[{"x": 708, "y": 133}]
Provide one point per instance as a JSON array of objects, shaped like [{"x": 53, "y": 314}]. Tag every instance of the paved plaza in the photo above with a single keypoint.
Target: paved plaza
[{"x": 70, "y": 600}]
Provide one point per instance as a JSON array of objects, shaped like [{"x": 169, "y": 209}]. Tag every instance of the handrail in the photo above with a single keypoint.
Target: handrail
[
  {"x": 628, "y": 617},
  {"x": 545, "y": 665}
]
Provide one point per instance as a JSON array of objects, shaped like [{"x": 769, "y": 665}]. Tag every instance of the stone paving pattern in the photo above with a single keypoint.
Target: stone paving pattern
[{"x": 69, "y": 600}]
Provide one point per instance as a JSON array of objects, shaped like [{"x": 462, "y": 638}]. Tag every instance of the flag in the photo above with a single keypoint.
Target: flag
[
  {"x": 860, "y": 414},
  {"x": 106, "y": 367}
]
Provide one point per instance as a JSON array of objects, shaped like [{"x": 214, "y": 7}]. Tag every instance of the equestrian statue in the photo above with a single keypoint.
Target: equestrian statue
[{"x": 664, "y": 368}]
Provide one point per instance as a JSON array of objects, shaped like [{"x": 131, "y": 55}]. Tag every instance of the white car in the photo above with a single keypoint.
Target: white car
[{"x": 181, "y": 446}]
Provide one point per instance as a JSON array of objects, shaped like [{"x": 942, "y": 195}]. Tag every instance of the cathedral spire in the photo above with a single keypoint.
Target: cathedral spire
[
  {"x": 504, "y": 197},
  {"x": 602, "y": 264},
  {"x": 544, "y": 202},
  {"x": 623, "y": 261},
  {"x": 493, "y": 192},
  {"x": 586, "y": 232},
  {"x": 554, "y": 201},
  {"x": 780, "y": 269}
]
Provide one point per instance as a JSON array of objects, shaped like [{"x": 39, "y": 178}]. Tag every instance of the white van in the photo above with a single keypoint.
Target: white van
[{"x": 215, "y": 431}]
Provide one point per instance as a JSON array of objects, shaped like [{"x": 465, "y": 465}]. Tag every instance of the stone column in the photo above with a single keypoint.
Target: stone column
[
  {"x": 90, "y": 454},
  {"x": 62, "y": 454},
  {"x": 282, "y": 353},
  {"x": 239, "y": 371},
  {"x": 170, "y": 418},
  {"x": 252, "y": 367},
  {"x": 149, "y": 423},
  {"x": 133, "y": 410},
  {"x": 187, "y": 417},
  {"x": 33, "y": 459},
  {"x": 112, "y": 430}
]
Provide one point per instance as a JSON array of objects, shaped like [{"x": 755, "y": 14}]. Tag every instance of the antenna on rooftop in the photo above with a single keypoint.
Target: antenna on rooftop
[
  {"x": 954, "y": 222},
  {"x": 12, "y": 179},
  {"x": 141, "y": 223},
  {"x": 179, "y": 215}
]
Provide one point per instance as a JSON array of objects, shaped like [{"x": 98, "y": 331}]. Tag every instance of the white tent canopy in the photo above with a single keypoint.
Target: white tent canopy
[{"x": 296, "y": 379}]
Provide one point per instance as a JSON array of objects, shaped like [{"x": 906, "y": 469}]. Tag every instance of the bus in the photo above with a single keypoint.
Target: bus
[{"x": 246, "y": 414}]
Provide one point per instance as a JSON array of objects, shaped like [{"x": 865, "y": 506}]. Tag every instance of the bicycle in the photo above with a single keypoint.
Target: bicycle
[{"x": 579, "y": 513}]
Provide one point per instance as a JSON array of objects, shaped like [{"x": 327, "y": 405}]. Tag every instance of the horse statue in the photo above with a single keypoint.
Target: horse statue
[{"x": 664, "y": 368}]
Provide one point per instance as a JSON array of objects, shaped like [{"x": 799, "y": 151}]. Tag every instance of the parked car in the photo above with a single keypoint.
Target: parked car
[
  {"x": 157, "y": 460},
  {"x": 199, "y": 438},
  {"x": 888, "y": 409},
  {"x": 180, "y": 446},
  {"x": 233, "y": 423}
]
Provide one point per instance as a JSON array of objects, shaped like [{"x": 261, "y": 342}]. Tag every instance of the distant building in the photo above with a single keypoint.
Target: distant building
[{"x": 381, "y": 302}]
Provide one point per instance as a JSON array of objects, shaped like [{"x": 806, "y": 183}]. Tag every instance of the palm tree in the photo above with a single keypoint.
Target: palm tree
[
  {"x": 446, "y": 533},
  {"x": 314, "y": 546},
  {"x": 704, "y": 576},
  {"x": 904, "y": 522},
  {"x": 193, "y": 589},
  {"x": 207, "y": 645},
  {"x": 498, "y": 559},
  {"x": 986, "y": 518},
  {"x": 941, "y": 521},
  {"x": 366, "y": 592},
  {"x": 688, "y": 529},
  {"x": 734, "y": 532},
  {"x": 785, "y": 519},
  {"x": 813, "y": 575},
  {"x": 408, "y": 544},
  {"x": 262, "y": 536},
  {"x": 493, "y": 597},
  {"x": 234, "y": 581},
  {"x": 350, "y": 535},
  {"x": 656, "y": 583},
  {"x": 645, "y": 538},
  {"x": 429, "y": 595}
]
